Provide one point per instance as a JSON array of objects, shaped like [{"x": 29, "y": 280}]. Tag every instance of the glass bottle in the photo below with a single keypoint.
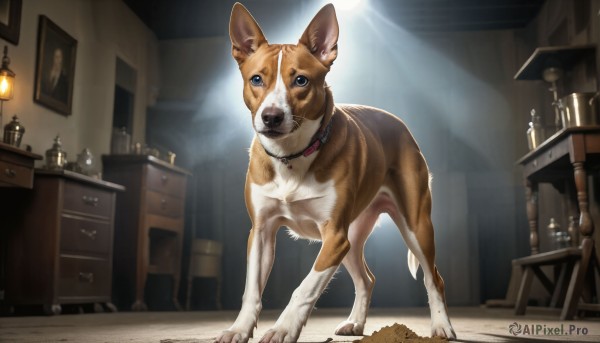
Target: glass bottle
[
  {"x": 535, "y": 133},
  {"x": 553, "y": 230}
]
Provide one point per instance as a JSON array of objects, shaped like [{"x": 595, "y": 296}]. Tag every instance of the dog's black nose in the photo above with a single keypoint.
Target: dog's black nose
[{"x": 272, "y": 117}]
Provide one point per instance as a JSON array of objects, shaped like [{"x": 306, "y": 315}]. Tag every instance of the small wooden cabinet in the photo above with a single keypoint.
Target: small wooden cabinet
[
  {"x": 149, "y": 224},
  {"x": 61, "y": 246}
]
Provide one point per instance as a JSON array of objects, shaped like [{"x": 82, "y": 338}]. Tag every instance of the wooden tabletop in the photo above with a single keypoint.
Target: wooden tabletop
[
  {"x": 13, "y": 149},
  {"x": 142, "y": 158},
  {"x": 79, "y": 178},
  {"x": 559, "y": 135}
]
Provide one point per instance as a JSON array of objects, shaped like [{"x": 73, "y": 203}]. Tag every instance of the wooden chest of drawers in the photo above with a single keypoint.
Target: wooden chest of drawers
[
  {"x": 61, "y": 249},
  {"x": 149, "y": 224}
]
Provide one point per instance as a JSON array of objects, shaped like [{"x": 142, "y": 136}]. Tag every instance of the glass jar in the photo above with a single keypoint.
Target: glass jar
[
  {"x": 553, "y": 230},
  {"x": 56, "y": 157},
  {"x": 120, "y": 142},
  {"x": 562, "y": 240},
  {"x": 85, "y": 162}
]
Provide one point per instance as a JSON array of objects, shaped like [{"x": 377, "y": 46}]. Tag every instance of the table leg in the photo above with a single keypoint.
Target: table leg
[
  {"x": 175, "y": 300},
  {"x": 531, "y": 194},
  {"x": 188, "y": 297},
  {"x": 141, "y": 276},
  {"x": 98, "y": 308},
  {"x": 52, "y": 309},
  {"x": 218, "y": 295},
  {"x": 139, "y": 305},
  {"x": 110, "y": 307},
  {"x": 586, "y": 226},
  {"x": 177, "y": 273}
]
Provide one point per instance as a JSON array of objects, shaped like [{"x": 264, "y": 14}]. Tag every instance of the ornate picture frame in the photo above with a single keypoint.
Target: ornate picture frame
[
  {"x": 10, "y": 20},
  {"x": 55, "y": 67}
]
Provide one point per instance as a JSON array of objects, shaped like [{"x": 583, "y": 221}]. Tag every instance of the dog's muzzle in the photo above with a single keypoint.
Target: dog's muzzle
[{"x": 272, "y": 117}]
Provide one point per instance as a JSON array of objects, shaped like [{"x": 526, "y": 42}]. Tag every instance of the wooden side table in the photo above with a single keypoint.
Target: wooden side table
[
  {"x": 16, "y": 166},
  {"x": 570, "y": 153},
  {"x": 149, "y": 224},
  {"x": 60, "y": 251},
  {"x": 16, "y": 171}
]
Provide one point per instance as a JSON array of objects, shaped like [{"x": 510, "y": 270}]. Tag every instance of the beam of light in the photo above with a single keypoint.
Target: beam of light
[
  {"x": 348, "y": 5},
  {"x": 416, "y": 76}
]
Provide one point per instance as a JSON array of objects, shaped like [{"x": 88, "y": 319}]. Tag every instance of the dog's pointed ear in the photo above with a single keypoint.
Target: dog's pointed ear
[
  {"x": 321, "y": 35},
  {"x": 245, "y": 34}
]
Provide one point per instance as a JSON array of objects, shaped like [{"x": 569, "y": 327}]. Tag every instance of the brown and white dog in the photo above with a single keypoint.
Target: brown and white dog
[{"x": 326, "y": 172}]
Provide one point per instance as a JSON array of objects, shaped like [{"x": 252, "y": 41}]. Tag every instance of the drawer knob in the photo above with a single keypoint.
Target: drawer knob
[
  {"x": 89, "y": 233},
  {"x": 164, "y": 178},
  {"x": 86, "y": 277},
  {"x": 89, "y": 200},
  {"x": 10, "y": 172},
  {"x": 163, "y": 203}
]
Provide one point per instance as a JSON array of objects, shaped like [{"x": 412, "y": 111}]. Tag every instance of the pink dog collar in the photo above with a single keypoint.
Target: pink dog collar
[{"x": 321, "y": 137}]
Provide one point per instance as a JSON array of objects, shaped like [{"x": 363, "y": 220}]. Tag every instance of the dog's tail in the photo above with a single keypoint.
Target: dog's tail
[{"x": 413, "y": 264}]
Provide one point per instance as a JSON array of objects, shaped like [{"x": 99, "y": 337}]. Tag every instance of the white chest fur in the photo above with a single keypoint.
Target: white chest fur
[{"x": 302, "y": 204}]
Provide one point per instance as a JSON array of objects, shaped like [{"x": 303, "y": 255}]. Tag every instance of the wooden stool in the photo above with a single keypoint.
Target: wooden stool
[
  {"x": 574, "y": 264},
  {"x": 205, "y": 262}
]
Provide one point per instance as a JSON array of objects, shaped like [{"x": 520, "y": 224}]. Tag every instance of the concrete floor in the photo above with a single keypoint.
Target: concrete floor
[{"x": 471, "y": 324}]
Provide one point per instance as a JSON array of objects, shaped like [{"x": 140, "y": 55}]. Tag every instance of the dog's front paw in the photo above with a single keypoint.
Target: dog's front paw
[
  {"x": 443, "y": 330},
  {"x": 280, "y": 335},
  {"x": 347, "y": 328},
  {"x": 233, "y": 336}
]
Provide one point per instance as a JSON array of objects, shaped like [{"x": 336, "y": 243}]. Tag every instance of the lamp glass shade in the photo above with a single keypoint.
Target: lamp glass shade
[{"x": 7, "y": 85}]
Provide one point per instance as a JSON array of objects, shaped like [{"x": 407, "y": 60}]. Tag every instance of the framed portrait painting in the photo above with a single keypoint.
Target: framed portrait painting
[
  {"x": 55, "y": 67},
  {"x": 10, "y": 20}
]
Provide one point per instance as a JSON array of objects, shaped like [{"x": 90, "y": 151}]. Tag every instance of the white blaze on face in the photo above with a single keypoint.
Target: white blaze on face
[
  {"x": 276, "y": 98},
  {"x": 294, "y": 139}
]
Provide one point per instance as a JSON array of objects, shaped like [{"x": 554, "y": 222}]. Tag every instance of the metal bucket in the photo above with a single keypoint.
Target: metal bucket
[
  {"x": 579, "y": 109},
  {"x": 206, "y": 258}
]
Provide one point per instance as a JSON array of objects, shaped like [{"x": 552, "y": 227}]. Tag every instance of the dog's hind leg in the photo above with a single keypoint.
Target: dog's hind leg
[
  {"x": 412, "y": 215},
  {"x": 421, "y": 245},
  {"x": 363, "y": 279}
]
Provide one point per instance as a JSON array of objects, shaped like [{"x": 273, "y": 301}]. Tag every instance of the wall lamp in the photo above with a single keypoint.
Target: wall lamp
[{"x": 7, "y": 81}]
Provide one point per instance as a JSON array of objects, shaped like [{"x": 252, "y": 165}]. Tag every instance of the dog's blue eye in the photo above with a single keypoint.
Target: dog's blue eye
[
  {"x": 256, "y": 80},
  {"x": 301, "y": 81}
]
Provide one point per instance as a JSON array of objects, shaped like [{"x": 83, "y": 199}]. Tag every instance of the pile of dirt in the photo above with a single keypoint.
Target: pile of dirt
[{"x": 398, "y": 333}]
